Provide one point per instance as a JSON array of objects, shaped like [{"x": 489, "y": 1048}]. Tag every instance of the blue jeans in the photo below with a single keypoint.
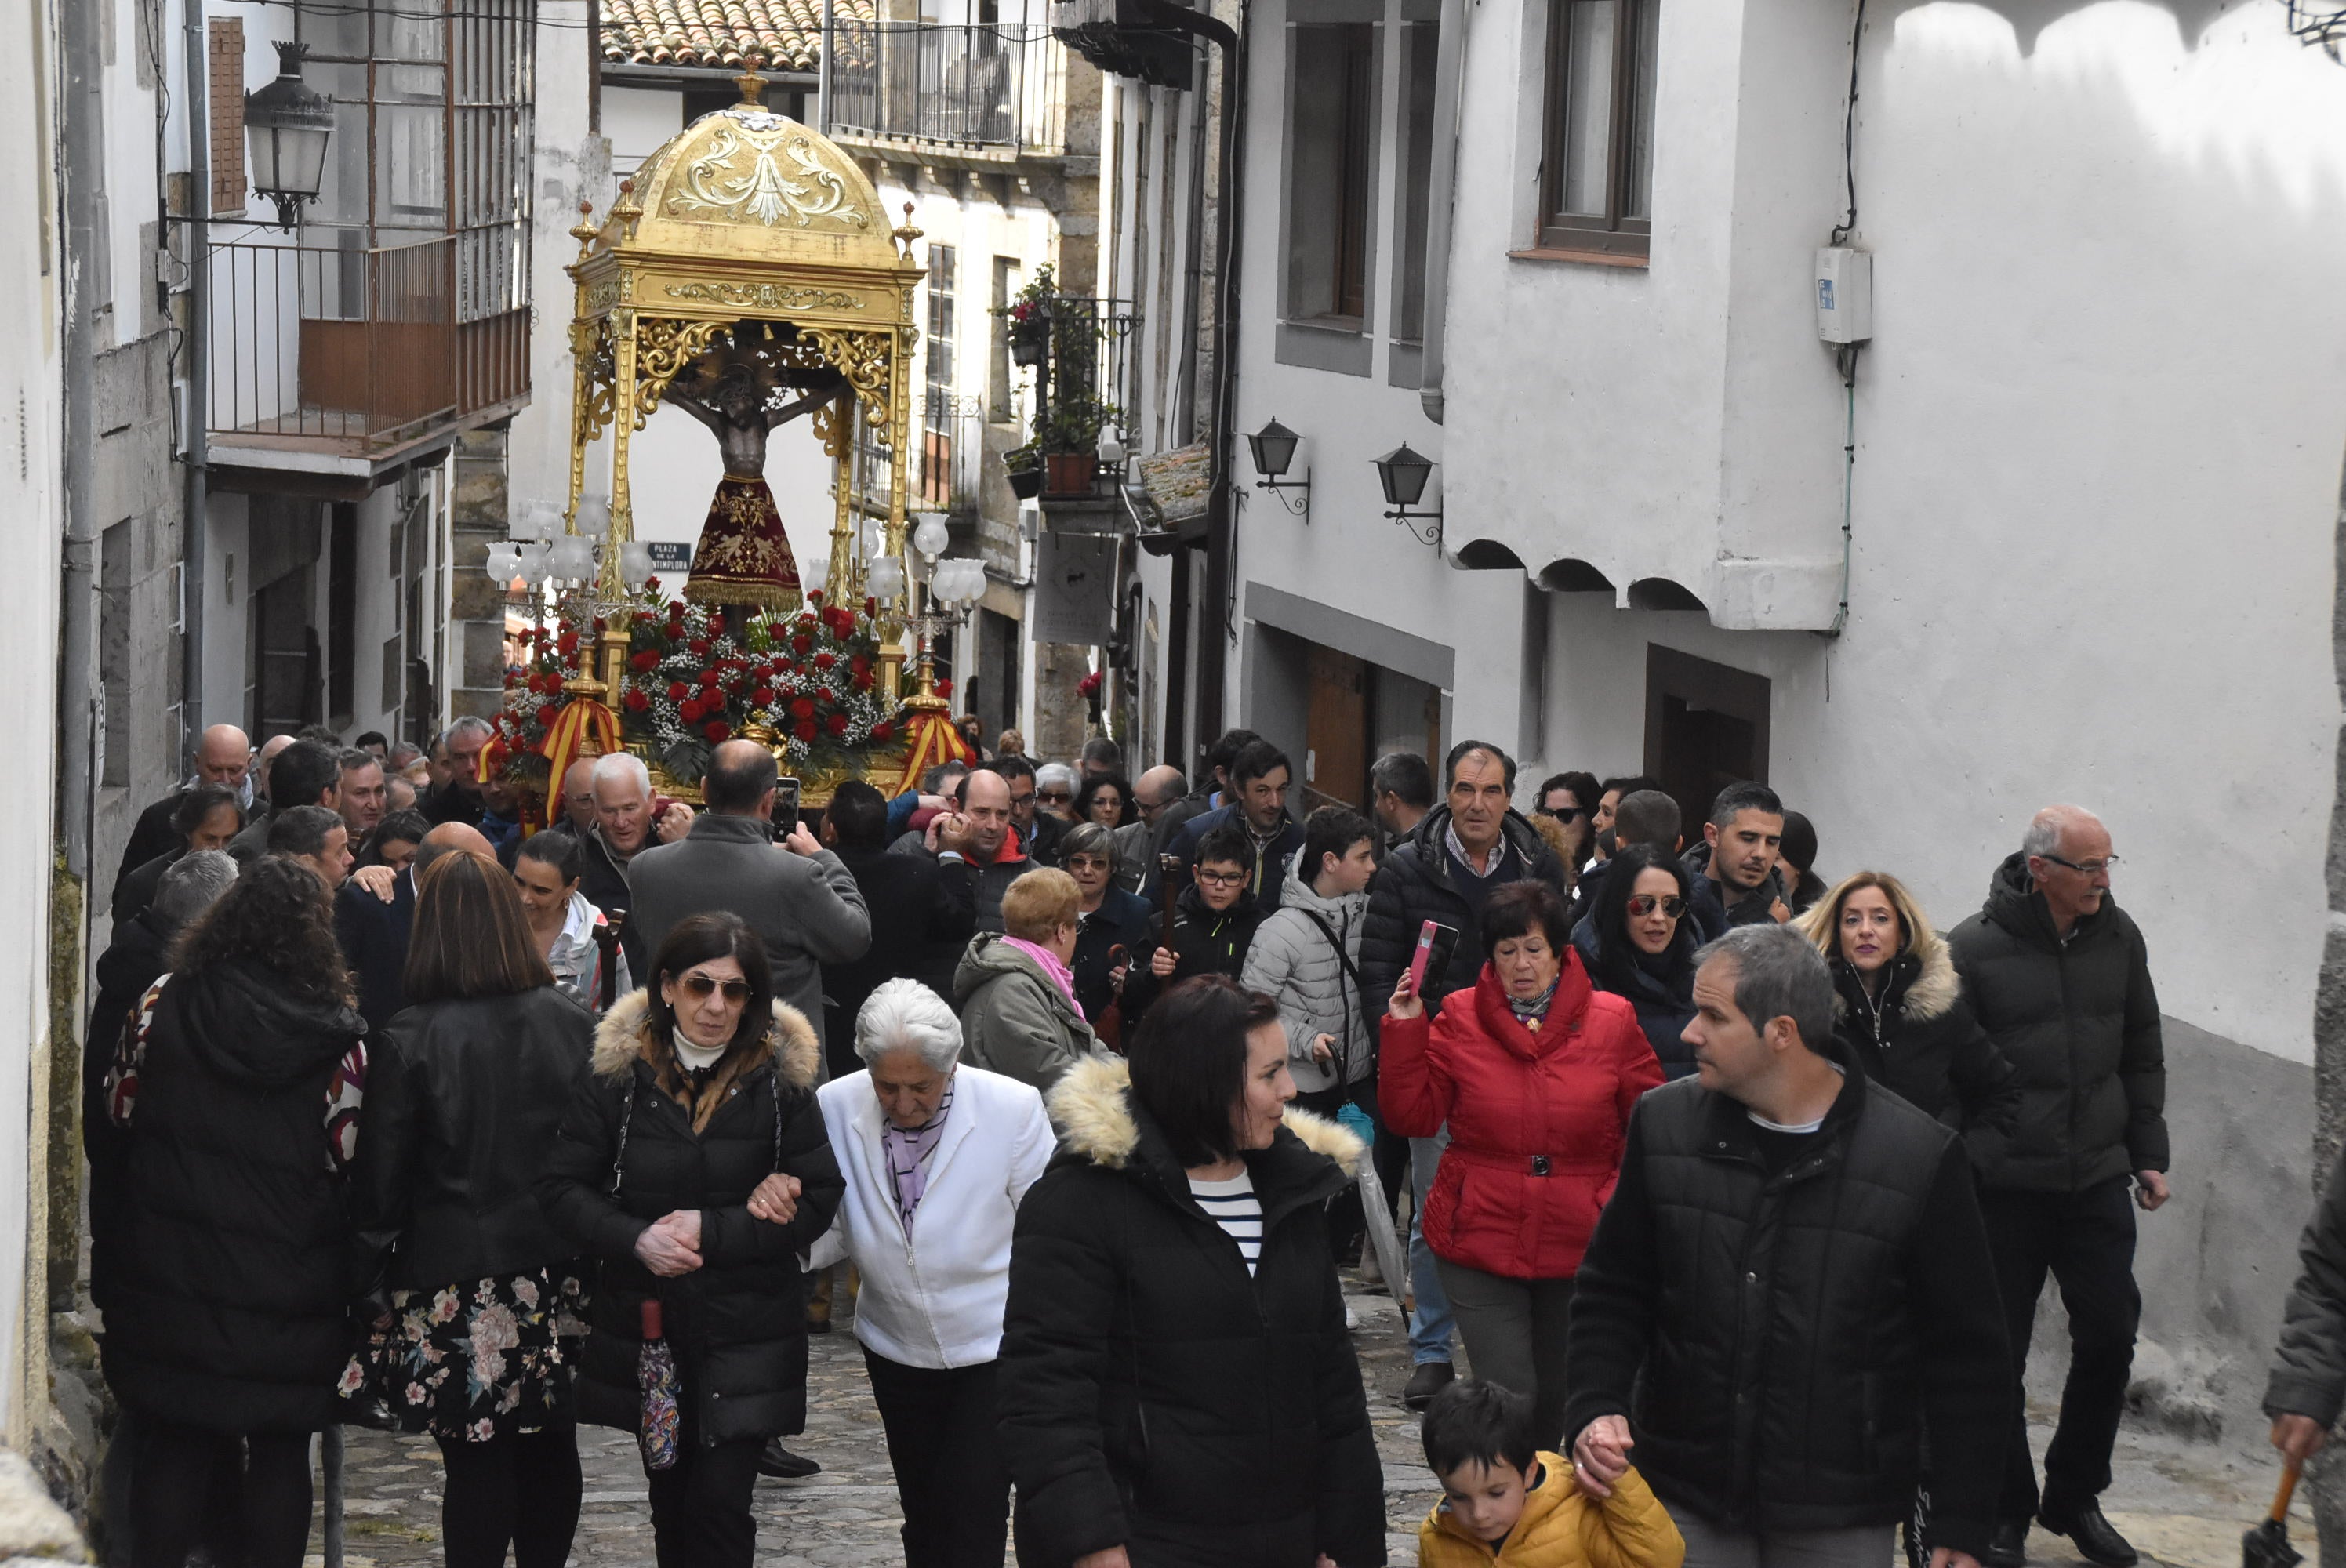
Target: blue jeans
[{"x": 1430, "y": 1324}]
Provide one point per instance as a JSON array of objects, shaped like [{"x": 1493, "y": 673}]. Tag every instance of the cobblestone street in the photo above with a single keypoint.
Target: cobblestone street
[{"x": 2183, "y": 1504}]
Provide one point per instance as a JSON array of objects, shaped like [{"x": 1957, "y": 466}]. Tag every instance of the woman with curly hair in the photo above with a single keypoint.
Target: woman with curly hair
[
  {"x": 465, "y": 1090},
  {"x": 239, "y": 1087}
]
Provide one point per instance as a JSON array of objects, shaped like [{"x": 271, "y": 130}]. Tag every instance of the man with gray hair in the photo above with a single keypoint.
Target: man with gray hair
[
  {"x": 628, "y": 819},
  {"x": 937, "y": 1155},
  {"x": 455, "y": 792},
  {"x": 2060, "y": 979},
  {"x": 1784, "y": 1294}
]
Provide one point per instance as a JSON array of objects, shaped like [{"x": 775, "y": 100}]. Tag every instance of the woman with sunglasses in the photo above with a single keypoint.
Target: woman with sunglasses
[
  {"x": 1534, "y": 1073},
  {"x": 1900, "y": 1010},
  {"x": 701, "y": 1086},
  {"x": 1569, "y": 799},
  {"x": 1637, "y": 943}
]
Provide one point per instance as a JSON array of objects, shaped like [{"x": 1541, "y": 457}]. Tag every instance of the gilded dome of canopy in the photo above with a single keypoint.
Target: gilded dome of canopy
[{"x": 751, "y": 185}]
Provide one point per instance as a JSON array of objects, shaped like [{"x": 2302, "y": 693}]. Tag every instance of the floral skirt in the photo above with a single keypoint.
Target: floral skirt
[{"x": 473, "y": 1360}]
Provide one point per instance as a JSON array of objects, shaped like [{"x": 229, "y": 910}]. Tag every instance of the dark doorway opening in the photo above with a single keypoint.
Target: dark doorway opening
[
  {"x": 1706, "y": 727},
  {"x": 993, "y": 676}
]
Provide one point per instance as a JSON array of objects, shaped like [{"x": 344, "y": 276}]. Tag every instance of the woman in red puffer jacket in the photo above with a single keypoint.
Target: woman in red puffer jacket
[{"x": 1536, "y": 1072}]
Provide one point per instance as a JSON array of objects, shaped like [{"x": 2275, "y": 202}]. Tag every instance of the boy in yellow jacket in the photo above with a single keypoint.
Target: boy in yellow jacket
[{"x": 1506, "y": 1502}]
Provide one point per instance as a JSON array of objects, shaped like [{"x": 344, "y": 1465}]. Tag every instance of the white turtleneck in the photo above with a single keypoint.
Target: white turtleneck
[{"x": 696, "y": 1058}]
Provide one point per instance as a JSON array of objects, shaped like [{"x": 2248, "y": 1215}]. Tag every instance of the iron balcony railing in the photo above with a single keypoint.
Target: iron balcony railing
[
  {"x": 998, "y": 86},
  {"x": 948, "y": 443},
  {"x": 360, "y": 349},
  {"x": 1085, "y": 382}
]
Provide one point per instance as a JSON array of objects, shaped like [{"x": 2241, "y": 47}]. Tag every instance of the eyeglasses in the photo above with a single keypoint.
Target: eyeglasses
[
  {"x": 1221, "y": 879},
  {"x": 1056, "y": 797},
  {"x": 2086, "y": 868},
  {"x": 1644, "y": 904},
  {"x": 700, "y": 986},
  {"x": 1563, "y": 813},
  {"x": 1149, "y": 808},
  {"x": 1085, "y": 863}
]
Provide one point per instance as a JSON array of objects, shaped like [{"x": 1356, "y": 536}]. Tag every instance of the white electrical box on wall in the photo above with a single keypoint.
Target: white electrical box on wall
[{"x": 1844, "y": 294}]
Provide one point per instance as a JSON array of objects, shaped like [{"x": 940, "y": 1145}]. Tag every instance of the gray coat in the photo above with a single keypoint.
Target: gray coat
[
  {"x": 1013, "y": 1019},
  {"x": 2309, "y": 1371},
  {"x": 1292, "y": 959},
  {"x": 807, "y": 907}
]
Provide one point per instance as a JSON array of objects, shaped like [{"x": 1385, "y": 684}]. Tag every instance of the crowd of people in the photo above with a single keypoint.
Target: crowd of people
[{"x": 1081, "y": 1090}]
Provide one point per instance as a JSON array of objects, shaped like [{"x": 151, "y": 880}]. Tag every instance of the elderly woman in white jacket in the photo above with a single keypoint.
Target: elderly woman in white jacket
[{"x": 937, "y": 1157}]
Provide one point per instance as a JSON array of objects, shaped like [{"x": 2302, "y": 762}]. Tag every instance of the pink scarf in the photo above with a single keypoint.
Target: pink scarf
[{"x": 1061, "y": 976}]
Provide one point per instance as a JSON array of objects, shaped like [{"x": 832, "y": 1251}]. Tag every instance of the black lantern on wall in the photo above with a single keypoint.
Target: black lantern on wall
[
  {"x": 1403, "y": 474},
  {"x": 286, "y": 125},
  {"x": 1274, "y": 451}
]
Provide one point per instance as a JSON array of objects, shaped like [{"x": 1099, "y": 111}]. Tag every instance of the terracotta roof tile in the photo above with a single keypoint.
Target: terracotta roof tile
[{"x": 719, "y": 33}]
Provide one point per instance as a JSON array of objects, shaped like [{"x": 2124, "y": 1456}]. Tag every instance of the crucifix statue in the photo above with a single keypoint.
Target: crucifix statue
[{"x": 744, "y": 556}]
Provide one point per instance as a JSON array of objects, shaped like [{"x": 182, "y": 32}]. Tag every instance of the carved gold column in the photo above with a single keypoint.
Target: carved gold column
[
  {"x": 893, "y": 652},
  {"x": 835, "y": 423}
]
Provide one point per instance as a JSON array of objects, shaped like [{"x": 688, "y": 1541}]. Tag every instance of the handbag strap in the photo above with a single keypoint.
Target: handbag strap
[
  {"x": 627, "y": 1115},
  {"x": 1352, "y": 973}
]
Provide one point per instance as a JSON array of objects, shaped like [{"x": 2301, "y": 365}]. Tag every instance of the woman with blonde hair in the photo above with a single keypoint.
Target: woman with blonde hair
[
  {"x": 1019, "y": 1015},
  {"x": 1899, "y": 1011}
]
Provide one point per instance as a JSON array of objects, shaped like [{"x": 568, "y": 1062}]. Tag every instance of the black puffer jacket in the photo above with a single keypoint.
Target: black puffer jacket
[
  {"x": 1715, "y": 909},
  {"x": 1920, "y": 1041},
  {"x": 125, "y": 970},
  {"x": 463, "y": 1100},
  {"x": 737, "y": 1323},
  {"x": 1414, "y": 886},
  {"x": 2079, "y": 1023},
  {"x": 1153, "y": 1395},
  {"x": 231, "y": 1306},
  {"x": 1780, "y": 1342},
  {"x": 1204, "y": 942}
]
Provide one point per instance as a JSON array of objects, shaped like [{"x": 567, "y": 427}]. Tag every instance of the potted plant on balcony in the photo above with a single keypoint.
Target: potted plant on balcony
[
  {"x": 1070, "y": 440},
  {"x": 1029, "y": 315},
  {"x": 1025, "y": 465}
]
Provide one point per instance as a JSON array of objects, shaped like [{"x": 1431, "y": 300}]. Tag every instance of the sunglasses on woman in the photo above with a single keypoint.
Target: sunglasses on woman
[
  {"x": 700, "y": 986},
  {"x": 1644, "y": 904}
]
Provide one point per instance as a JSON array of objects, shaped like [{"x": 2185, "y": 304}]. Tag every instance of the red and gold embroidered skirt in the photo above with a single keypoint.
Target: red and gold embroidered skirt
[{"x": 743, "y": 557}]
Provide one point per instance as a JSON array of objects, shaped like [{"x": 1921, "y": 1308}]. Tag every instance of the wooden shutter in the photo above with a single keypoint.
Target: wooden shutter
[{"x": 227, "y": 89}]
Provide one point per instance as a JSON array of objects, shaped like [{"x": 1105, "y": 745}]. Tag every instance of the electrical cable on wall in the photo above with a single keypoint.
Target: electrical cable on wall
[{"x": 1845, "y": 353}]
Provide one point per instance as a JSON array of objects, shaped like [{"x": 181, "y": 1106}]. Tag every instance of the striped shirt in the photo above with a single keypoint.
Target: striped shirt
[{"x": 1232, "y": 1206}]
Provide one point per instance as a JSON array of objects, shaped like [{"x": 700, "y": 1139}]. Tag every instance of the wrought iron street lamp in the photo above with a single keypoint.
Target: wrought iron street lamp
[
  {"x": 286, "y": 125},
  {"x": 1403, "y": 474},
  {"x": 1274, "y": 451}
]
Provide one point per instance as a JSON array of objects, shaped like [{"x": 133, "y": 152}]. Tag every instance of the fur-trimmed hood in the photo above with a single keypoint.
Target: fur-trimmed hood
[
  {"x": 624, "y": 1035},
  {"x": 1090, "y": 1108},
  {"x": 1934, "y": 987}
]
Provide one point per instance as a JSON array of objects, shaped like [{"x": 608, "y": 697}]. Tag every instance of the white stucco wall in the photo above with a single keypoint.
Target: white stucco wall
[
  {"x": 2099, "y": 437},
  {"x": 1347, "y": 555},
  {"x": 31, "y": 456}
]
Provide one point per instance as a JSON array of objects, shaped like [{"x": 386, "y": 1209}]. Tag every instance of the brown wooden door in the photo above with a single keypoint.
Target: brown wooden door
[
  {"x": 1706, "y": 727},
  {"x": 1336, "y": 732}
]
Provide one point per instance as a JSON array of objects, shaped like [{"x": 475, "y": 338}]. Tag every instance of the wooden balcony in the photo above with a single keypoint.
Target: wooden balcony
[{"x": 347, "y": 363}]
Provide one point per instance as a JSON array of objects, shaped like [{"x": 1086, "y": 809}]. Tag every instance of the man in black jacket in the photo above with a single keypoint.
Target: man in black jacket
[
  {"x": 1259, "y": 777},
  {"x": 223, "y": 757},
  {"x": 1733, "y": 875},
  {"x": 919, "y": 925},
  {"x": 1783, "y": 1298},
  {"x": 1471, "y": 843},
  {"x": 374, "y": 913},
  {"x": 303, "y": 773},
  {"x": 2061, "y": 981}
]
